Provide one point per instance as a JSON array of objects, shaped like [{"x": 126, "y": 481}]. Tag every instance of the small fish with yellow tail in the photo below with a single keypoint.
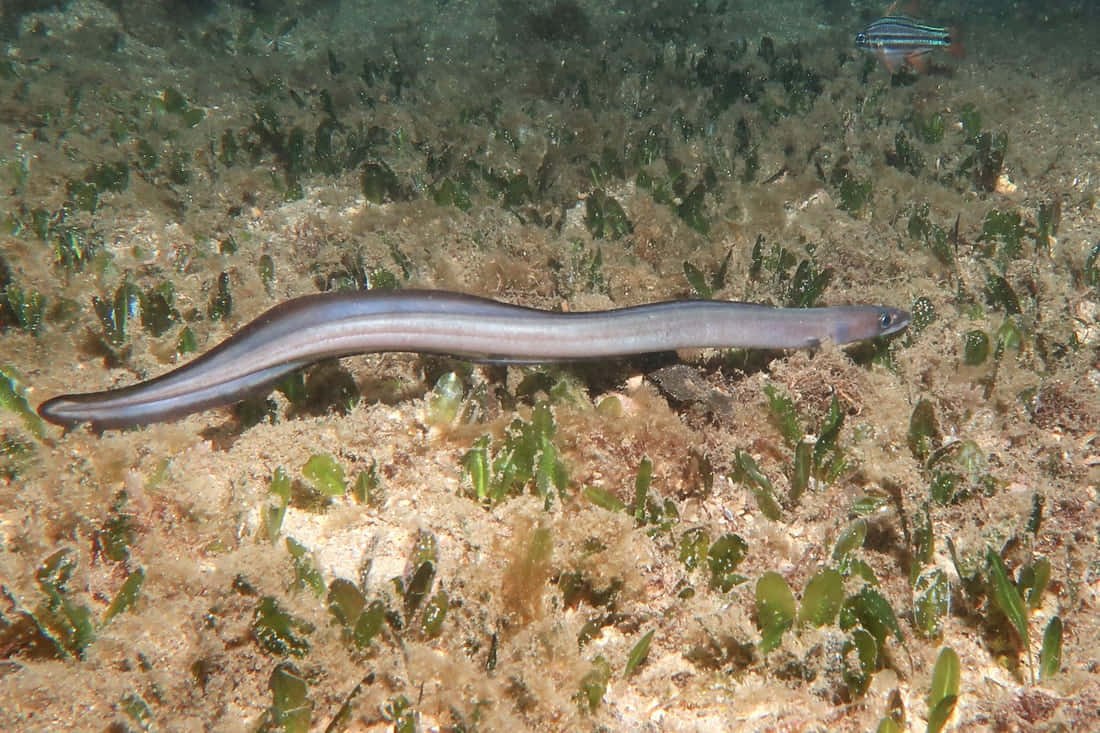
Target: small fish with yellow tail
[{"x": 901, "y": 39}]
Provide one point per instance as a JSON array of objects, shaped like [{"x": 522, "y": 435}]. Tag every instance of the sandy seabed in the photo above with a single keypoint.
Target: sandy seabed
[{"x": 173, "y": 144}]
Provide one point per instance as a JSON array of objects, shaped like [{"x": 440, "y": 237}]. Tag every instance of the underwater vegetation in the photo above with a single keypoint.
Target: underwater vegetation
[{"x": 573, "y": 539}]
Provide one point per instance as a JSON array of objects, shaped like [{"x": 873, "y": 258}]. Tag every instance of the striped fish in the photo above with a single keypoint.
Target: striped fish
[{"x": 898, "y": 39}]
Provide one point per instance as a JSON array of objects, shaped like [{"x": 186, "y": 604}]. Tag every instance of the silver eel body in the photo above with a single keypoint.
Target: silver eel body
[{"x": 315, "y": 327}]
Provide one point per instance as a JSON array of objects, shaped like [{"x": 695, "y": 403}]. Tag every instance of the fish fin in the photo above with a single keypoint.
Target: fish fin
[
  {"x": 956, "y": 48},
  {"x": 495, "y": 360},
  {"x": 911, "y": 8},
  {"x": 918, "y": 60},
  {"x": 889, "y": 60}
]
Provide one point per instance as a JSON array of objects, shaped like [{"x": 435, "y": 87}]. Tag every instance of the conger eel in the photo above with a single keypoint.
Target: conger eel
[{"x": 314, "y": 327}]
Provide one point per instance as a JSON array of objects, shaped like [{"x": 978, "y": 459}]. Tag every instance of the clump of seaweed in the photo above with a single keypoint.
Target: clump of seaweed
[{"x": 564, "y": 20}]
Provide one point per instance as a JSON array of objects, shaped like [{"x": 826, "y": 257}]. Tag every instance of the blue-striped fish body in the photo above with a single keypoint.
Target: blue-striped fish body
[{"x": 898, "y": 39}]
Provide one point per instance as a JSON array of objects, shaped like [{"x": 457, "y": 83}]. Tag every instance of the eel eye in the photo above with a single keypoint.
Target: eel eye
[{"x": 885, "y": 321}]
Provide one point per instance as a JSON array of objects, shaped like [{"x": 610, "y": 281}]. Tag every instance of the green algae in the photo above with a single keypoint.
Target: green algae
[
  {"x": 605, "y": 217},
  {"x": 325, "y": 474},
  {"x": 291, "y": 710},
  {"x": 944, "y": 689},
  {"x": 278, "y": 632}
]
